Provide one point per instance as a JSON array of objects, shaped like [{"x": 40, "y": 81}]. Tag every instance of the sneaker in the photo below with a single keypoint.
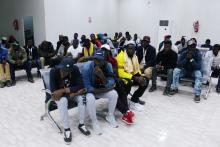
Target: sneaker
[
  {"x": 31, "y": 80},
  {"x": 8, "y": 83},
  {"x": 127, "y": 118},
  {"x": 13, "y": 83},
  {"x": 84, "y": 130},
  {"x": 141, "y": 102},
  {"x": 111, "y": 119},
  {"x": 173, "y": 91},
  {"x": 153, "y": 88},
  {"x": 136, "y": 106},
  {"x": 67, "y": 136},
  {"x": 2, "y": 84},
  {"x": 96, "y": 129},
  {"x": 197, "y": 98},
  {"x": 166, "y": 91}
]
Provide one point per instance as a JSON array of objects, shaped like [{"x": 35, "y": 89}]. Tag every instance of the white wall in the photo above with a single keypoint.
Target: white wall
[
  {"x": 142, "y": 17},
  {"x": 72, "y": 16},
  {"x": 16, "y": 9}
]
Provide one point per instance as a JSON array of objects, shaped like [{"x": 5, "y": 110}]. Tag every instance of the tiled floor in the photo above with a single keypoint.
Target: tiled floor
[{"x": 166, "y": 122}]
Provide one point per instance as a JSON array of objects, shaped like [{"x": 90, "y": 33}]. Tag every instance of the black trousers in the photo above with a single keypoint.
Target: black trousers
[
  {"x": 123, "y": 90},
  {"x": 25, "y": 66},
  {"x": 140, "y": 91}
]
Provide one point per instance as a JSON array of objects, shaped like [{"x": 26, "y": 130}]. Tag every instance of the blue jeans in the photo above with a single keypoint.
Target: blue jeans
[
  {"x": 196, "y": 75},
  {"x": 36, "y": 62}
]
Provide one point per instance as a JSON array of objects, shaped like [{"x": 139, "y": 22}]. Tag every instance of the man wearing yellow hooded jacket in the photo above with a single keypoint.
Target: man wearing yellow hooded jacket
[{"x": 129, "y": 68}]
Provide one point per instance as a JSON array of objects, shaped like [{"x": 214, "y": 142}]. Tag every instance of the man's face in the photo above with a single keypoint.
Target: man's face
[
  {"x": 192, "y": 47},
  {"x": 183, "y": 41},
  {"x": 167, "y": 47},
  {"x": 130, "y": 50},
  {"x": 145, "y": 43},
  {"x": 92, "y": 37},
  {"x": 64, "y": 73},
  {"x": 75, "y": 36},
  {"x": 75, "y": 44},
  {"x": 30, "y": 43},
  {"x": 215, "y": 51}
]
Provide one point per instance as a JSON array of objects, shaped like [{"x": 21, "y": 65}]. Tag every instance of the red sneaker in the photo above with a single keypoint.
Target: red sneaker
[
  {"x": 126, "y": 118},
  {"x": 132, "y": 113}
]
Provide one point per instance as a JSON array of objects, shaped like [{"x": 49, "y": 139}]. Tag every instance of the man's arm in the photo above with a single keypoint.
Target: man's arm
[
  {"x": 10, "y": 59},
  {"x": 24, "y": 55},
  {"x": 197, "y": 61}
]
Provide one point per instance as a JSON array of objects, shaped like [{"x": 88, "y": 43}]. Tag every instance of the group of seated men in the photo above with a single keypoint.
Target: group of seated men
[{"x": 105, "y": 74}]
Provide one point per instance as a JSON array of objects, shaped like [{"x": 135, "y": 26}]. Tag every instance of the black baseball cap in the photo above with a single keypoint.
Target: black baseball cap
[{"x": 66, "y": 64}]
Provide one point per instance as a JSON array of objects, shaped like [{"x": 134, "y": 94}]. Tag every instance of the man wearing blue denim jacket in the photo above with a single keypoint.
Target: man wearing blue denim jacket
[
  {"x": 189, "y": 65},
  {"x": 99, "y": 82}
]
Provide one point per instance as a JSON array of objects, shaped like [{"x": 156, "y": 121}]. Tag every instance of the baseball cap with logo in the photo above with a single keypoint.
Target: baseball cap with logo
[
  {"x": 66, "y": 64},
  {"x": 106, "y": 46},
  {"x": 99, "y": 55}
]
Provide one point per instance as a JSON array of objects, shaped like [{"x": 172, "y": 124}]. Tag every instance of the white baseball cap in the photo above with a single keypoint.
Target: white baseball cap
[{"x": 106, "y": 46}]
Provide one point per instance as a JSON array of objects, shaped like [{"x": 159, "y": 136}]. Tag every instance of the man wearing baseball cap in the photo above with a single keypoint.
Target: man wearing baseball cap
[
  {"x": 189, "y": 65},
  {"x": 66, "y": 83},
  {"x": 97, "y": 77}
]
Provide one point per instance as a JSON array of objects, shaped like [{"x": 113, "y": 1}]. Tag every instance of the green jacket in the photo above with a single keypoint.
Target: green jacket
[{"x": 14, "y": 56}]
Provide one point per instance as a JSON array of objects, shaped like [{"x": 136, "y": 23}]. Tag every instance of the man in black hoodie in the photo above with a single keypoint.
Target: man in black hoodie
[{"x": 165, "y": 63}]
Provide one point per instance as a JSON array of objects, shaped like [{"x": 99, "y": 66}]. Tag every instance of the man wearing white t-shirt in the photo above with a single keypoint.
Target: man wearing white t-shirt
[{"x": 75, "y": 50}]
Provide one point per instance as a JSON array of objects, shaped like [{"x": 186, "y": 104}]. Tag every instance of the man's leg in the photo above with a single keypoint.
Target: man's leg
[
  {"x": 2, "y": 78},
  {"x": 42, "y": 61},
  {"x": 81, "y": 111},
  {"x": 198, "y": 84},
  {"x": 177, "y": 73},
  {"x": 169, "y": 73},
  {"x": 112, "y": 96},
  {"x": 27, "y": 66},
  {"x": 154, "y": 79},
  {"x": 12, "y": 72},
  {"x": 91, "y": 107},
  {"x": 7, "y": 72},
  {"x": 62, "y": 105},
  {"x": 38, "y": 64}
]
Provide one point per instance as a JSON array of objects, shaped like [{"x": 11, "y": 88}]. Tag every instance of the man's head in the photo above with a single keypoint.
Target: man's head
[
  {"x": 183, "y": 40},
  {"x": 216, "y": 49},
  {"x": 192, "y": 44},
  {"x": 127, "y": 36},
  {"x": 15, "y": 46},
  {"x": 92, "y": 37},
  {"x": 99, "y": 58},
  {"x": 75, "y": 44},
  {"x": 107, "y": 50},
  {"x": 61, "y": 38},
  {"x": 130, "y": 49},
  {"x": 120, "y": 34},
  {"x": 135, "y": 36},
  {"x": 30, "y": 43},
  {"x": 167, "y": 45},
  {"x": 87, "y": 43},
  {"x": 145, "y": 42},
  {"x": 208, "y": 42},
  {"x": 4, "y": 40},
  {"x": 116, "y": 34},
  {"x": 83, "y": 37},
  {"x": 75, "y": 36},
  {"x": 167, "y": 37},
  {"x": 66, "y": 67}
]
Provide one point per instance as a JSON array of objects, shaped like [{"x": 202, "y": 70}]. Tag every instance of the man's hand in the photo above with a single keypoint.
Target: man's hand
[
  {"x": 82, "y": 91},
  {"x": 56, "y": 95},
  {"x": 141, "y": 80},
  {"x": 189, "y": 55}
]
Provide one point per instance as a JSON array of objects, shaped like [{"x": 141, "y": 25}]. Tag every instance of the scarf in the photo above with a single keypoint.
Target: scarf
[
  {"x": 88, "y": 52},
  {"x": 131, "y": 65}
]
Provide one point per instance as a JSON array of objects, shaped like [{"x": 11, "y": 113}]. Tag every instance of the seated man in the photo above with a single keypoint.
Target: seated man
[
  {"x": 211, "y": 65},
  {"x": 165, "y": 63},
  {"x": 5, "y": 78},
  {"x": 100, "y": 85},
  {"x": 120, "y": 87},
  {"x": 46, "y": 52},
  {"x": 33, "y": 56},
  {"x": 66, "y": 83},
  {"x": 88, "y": 50},
  {"x": 75, "y": 51},
  {"x": 207, "y": 44},
  {"x": 189, "y": 65},
  {"x": 17, "y": 57},
  {"x": 147, "y": 56},
  {"x": 95, "y": 41},
  {"x": 129, "y": 68}
]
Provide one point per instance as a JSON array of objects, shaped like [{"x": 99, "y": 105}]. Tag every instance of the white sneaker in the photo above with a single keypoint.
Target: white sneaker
[
  {"x": 111, "y": 119},
  {"x": 136, "y": 106},
  {"x": 97, "y": 130}
]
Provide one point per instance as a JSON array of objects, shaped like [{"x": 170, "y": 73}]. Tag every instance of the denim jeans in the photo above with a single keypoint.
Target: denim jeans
[
  {"x": 196, "y": 75},
  {"x": 37, "y": 62}
]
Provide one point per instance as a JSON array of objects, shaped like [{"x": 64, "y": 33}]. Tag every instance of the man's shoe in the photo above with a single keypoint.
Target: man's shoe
[
  {"x": 153, "y": 88},
  {"x": 197, "y": 98},
  {"x": 111, "y": 119},
  {"x": 166, "y": 91},
  {"x": 67, "y": 136},
  {"x": 84, "y": 130},
  {"x": 38, "y": 74},
  {"x": 173, "y": 91},
  {"x": 31, "y": 80},
  {"x": 13, "y": 83},
  {"x": 128, "y": 118},
  {"x": 96, "y": 129},
  {"x": 141, "y": 102},
  {"x": 2, "y": 84},
  {"x": 8, "y": 83},
  {"x": 136, "y": 106}
]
